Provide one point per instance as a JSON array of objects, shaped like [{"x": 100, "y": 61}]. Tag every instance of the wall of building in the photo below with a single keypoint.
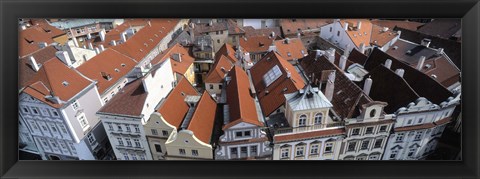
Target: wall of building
[
  {"x": 261, "y": 23},
  {"x": 186, "y": 140},
  {"x": 157, "y": 131},
  {"x": 321, "y": 154},
  {"x": 337, "y": 35}
]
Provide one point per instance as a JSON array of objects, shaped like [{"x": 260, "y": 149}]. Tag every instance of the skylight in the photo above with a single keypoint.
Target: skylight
[{"x": 272, "y": 75}]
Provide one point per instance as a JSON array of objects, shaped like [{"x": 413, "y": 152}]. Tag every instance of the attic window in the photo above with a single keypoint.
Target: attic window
[
  {"x": 117, "y": 70},
  {"x": 182, "y": 93},
  {"x": 428, "y": 66},
  {"x": 434, "y": 76},
  {"x": 156, "y": 35},
  {"x": 285, "y": 89},
  {"x": 65, "y": 83},
  {"x": 289, "y": 54},
  {"x": 409, "y": 51},
  {"x": 123, "y": 65},
  {"x": 395, "y": 47},
  {"x": 141, "y": 50},
  {"x": 151, "y": 40},
  {"x": 146, "y": 45},
  {"x": 272, "y": 75}
]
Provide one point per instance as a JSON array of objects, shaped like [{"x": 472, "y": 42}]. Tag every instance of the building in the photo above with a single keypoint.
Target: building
[
  {"x": 126, "y": 113},
  {"x": 59, "y": 106},
  {"x": 81, "y": 27},
  {"x": 243, "y": 136},
  {"x": 293, "y": 27},
  {"x": 258, "y": 23},
  {"x": 214, "y": 81},
  {"x": 181, "y": 60},
  {"x": 195, "y": 138},
  {"x": 444, "y": 28},
  {"x": 291, "y": 49},
  {"x": 168, "y": 118},
  {"x": 256, "y": 47},
  {"x": 34, "y": 37}
]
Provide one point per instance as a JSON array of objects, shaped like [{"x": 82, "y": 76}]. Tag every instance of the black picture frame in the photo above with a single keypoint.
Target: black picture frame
[{"x": 468, "y": 10}]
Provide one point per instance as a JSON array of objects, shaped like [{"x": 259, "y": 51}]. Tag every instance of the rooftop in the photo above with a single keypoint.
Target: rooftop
[
  {"x": 180, "y": 64},
  {"x": 25, "y": 69},
  {"x": 293, "y": 26},
  {"x": 291, "y": 48},
  {"x": 203, "y": 119},
  {"x": 219, "y": 70},
  {"x": 307, "y": 98}
]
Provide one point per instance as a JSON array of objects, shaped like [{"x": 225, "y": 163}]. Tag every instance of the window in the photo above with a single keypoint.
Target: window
[
  {"x": 243, "y": 134},
  {"x": 55, "y": 113},
  {"x": 25, "y": 110},
  {"x": 195, "y": 152},
  {"x": 285, "y": 153},
  {"x": 83, "y": 121},
  {"x": 158, "y": 148},
  {"x": 411, "y": 152},
  {"x": 247, "y": 133},
  {"x": 105, "y": 100},
  {"x": 244, "y": 150},
  {"x": 134, "y": 156},
  {"x": 318, "y": 118},
  {"x": 137, "y": 129},
  {"x": 369, "y": 130},
  {"x": 142, "y": 157},
  {"x": 54, "y": 145},
  {"x": 137, "y": 143},
  {"x": 302, "y": 120},
  {"x": 33, "y": 125},
  {"x": 165, "y": 133},
  {"x": 409, "y": 121},
  {"x": 272, "y": 75},
  {"x": 218, "y": 40},
  {"x": 365, "y": 145},
  {"x": 338, "y": 33},
  {"x": 35, "y": 111},
  {"x": 420, "y": 120},
  {"x": 378, "y": 143},
  {"x": 400, "y": 137},
  {"x": 300, "y": 151},
  {"x": 75, "y": 105},
  {"x": 393, "y": 154},
  {"x": 356, "y": 131},
  {"x": 125, "y": 156},
  {"x": 129, "y": 142},
  {"x": 383, "y": 128},
  {"x": 119, "y": 127},
  {"x": 238, "y": 134},
  {"x": 52, "y": 126},
  {"x": 253, "y": 150},
  {"x": 372, "y": 112},
  {"x": 120, "y": 141},
  {"x": 233, "y": 151},
  {"x": 419, "y": 135},
  {"x": 154, "y": 132},
  {"x": 127, "y": 127},
  {"x": 219, "y": 86},
  {"x": 110, "y": 126},
  {"x": 351, "y": 146},
  {"x": 91, "y": 138},
  {"x": 181, "y": 151},
  {"x": 329, "y": 147},
  {"x": 62, "y": 128},
  {"x": 331, "y": 29},
  {"x": 211, "y": 86},
  {"x": 314, "y": 149}
]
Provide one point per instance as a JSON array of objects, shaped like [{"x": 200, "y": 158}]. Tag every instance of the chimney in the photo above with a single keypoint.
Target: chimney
[
  {"x": 359, "y": 25},
  {"x": 318, "y": 53},
  {"x": 113, "y": 42},
  {"x": 399, "y": 33},
  {"x": 177, "y": 57},
  {"x": 123, "y": 36},
  {"x": 202, "y": 45},
  {"x": 210, "y": 23},
  {"x": 421, "y": 61},
  {"x": 63, "y": 55},
  {"x": 388, "y": 63},
  {"x": 346, "y": 52},
  {"x": 287, "y": 40},
  {"x": 145, "y": 82},
  {"x": 149, "y": 23},
  {"x": 75, "y": 42},
  {"x": 102, "y": 35},
  {"x": 299, "y": 35},
  {"x": 384, "y": 29},
  {"x": 90, "y": 46},
  {"x": 367, "y": 86},
  {"x": 102, "y": 48},
  {"x": 343, "y": 62},
  {"x": 346, "y": 26},
  {"x": 23, "y": 27},
  {"x": 97, "y": 51},
  {"x": 272, "y": 34},
  {"x": 439, "y": 51},
  {"x": 400, "y": 72},
  {"x": 426, "y": 42},
  {"x": 331, "y": 55},
  {"x": 89, "y": 36},
  {"x": 330, "y": 86},
  {"x": 42, "y": 44},
  {"x": 272, "y": 48},
  {"x": 54, "y": 99},
  {"x": 362, "y": 48},
  {"x": 33, "y": 63}
]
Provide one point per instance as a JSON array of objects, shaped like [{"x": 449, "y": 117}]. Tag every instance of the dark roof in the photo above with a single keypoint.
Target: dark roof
[
  {"x": 129, "y": 101},
  {"x": 451, "y": 48},
  {"x": 443, "y": 28},
  {"x": 252, "y": 32},
  {"x": 391, "y": 24},
  {"x": 357, "y": 57},
  {"x": 422, "y": 84},
  {"x": 26, "y": 71}
]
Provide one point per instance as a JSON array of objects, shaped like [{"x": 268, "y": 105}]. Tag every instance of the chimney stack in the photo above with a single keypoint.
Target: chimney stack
[
  {"x": 272, "y": 34},
  {"x": 331, "y": 55},
  {"x": 330, "y": 86},
  {"x": 367, "y": 86},
  {"x": 123, "y": 36},
  {"x": 272, "y": 48},
  {"x": 318, "y": 53},
  {"x": 426, "y": 42},
  {"x": 97, "y": 51},
  {"x": 33, "y": 63},
  {"x": 359, "y": 25},
  {"x": 287, "y": 40},
  {"x": 90, "y": 46},
  {"x": 346, "y": 26},
  {"x": 399, "y": 33},
  {"x": 362, "y": 48},
  {"x": 388, "y": 63},
  {"x": 343, "y": 62},
  {"x": 439, "y": 51},
  {"x": 400, "y": 72},
  {"x": 23, "y": 27},
  {"x": 75, "y": 42},
  {"x": 42, "y": 44},
  {"x": 89, "y": 36},
  {"x": 63, "y": 55},
  {"x": 102, "y": 48},
  {"x": 113, "y": 42},
  {"x": 102, "y": 35},
  {"x": 420, "y": 63},
  {"x": 149, "y": 23}
]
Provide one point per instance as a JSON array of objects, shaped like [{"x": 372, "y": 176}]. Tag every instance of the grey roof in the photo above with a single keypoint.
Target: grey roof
[
  {"x": 73, "y": 23},
  {"x": 307, "y": 98}
]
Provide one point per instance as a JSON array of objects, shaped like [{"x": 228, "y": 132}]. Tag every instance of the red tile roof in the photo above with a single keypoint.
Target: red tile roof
[
  {"x": 308, "y": 135},
  {"x": 114, "y": 34},
  {"x": 107, "y": 62},
  {"x": 129, "y": 101},
  {"x": 275, "y": 97},
  {"x": 180, "y": 67},
  {"x": 219, "y": 70},
  {"x": 29, "y": 39},
  {"x": 291, "y": 50},
  {"x": 291, "y": 26},
  {"x": 228, "y": 51},
  {"x": 25, "y": 70},
  {"x": 258, "y": 44},
  {"x": 241, "y": 104},
  {"x": 174, "y": 109},
  {"x": 391, "y": 24},
  {"x": 203, "y": 118},
  {"x": 252, "y": 32},
  {"x": 55, "y": 77}
]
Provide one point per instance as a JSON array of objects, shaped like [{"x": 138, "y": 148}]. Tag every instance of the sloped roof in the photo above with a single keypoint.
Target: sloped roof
[
  {"x": 252, "y": 32},
  {"x": 368, "y": 33},
  {"x": 271, "y": 97},
  {"x": 391, "y": 24},
  {"x": 357, "y": 57},
  {"x": 256, "y": 44},
  {"x": 129, "y": 101},
  {"x": 29, "y": 39},
  {"x": 241, "y": 103},
  {"x": 219, "y": 70},
  {"x": 306, "y": 99},
  {"x": 443, "y": 27},
  {"x": 203, "y": 118},
  {"x": 228, "y": 51},
  {"x": 174, "y": 108},
  {"x": 294, "y": 49},
  {"x": 291, "y": 26},
  {"x": 54, "y": 77},
  {"x": 114, "y": 34},
  {"x": 25, "y": 70},
  {"x": 180, "y": 67},
  {"x": 110, "y": 62}
]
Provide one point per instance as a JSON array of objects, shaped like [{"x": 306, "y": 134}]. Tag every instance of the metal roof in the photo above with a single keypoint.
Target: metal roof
[
  {"x": 307, "y": 98},
  {"x": 74, "y": 23}
]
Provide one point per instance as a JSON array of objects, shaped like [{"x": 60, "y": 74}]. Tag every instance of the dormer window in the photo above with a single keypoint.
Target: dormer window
[
  {"x": 123, "y": 65},
  {"x": 373, "y": 112},
  {"x": 65, "y": 83}
]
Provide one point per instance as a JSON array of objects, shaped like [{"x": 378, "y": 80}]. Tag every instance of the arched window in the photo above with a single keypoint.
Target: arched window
[
  {"x": 318, "y": 118},
  {"x": 302, "y": 121},
  {"x": 372, "y": 112}
]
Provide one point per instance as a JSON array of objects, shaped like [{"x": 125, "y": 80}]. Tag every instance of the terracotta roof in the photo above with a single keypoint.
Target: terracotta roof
[
  {"x": 275, "y": 97},
  {"x": 203, "y": 118},
  {"x": 446, "y": 72},
  {"x": 347, "y": 96},
  {"x": 291, "y": 26},
  {"x": 180, "y": 67},
  {"x": 107, "y": 62},
  {"x": 29, "y": 39},
  {"x": 380, "y": 37},
  {"x": 219, "y": 70},
  {"x": 140, "y": 44},
  {"x": 423, "y": 126},
  {"x": 25, "y": 70},
  {"x": 114, "y": 34},
  {"x": 241, "y": 104},
  {"x": 444, "y": 28},
  {"x": 451, "y": 48},
  {"x": 129, "y": 101},
  {"x": 358, "y": 36},
  {"x": 174, "y": 108},
  {"x": 228, "y": 51},
  {"x": 294, "y": 49},
  {"x": 252, "y": 32},
  {"x": 55, "y": 77},
  {"x": 422, "y": 84},
  {"x": 391, "y": 24},
  {"x": 257, "y": 44},
  {"x": 308, "y": 135}
]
